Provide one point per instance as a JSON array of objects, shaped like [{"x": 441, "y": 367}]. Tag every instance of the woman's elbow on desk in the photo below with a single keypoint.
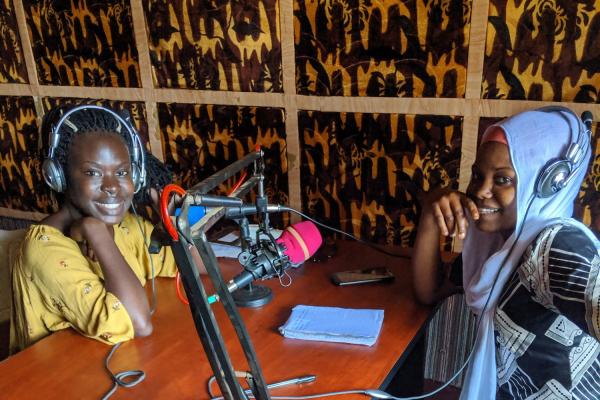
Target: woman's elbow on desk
[
  {"x": 143, "y": 329},
  {"x": 431, "y": 296}
]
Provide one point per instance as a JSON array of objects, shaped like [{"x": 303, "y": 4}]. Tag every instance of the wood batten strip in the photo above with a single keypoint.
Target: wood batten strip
[
  {"x": 27, "y": 48},
  {"x": 431, "y": 106},
  {"x": 219, "y": 97},
  {"x": 468, "y": 150},
  {"x": 385, "y": 105},
  {"x": 479, "y": 19},
  {"x": 17, "y": 89},
  {"x": 504, "y": 108},
  {"x": 376, "y": 105},
  {"x": 145, "y": 65},
  {"x": 33, "y": 88},
  {"x": 476, "y": 56},
  {"x": 288, "y": 54},
  {"x": 467, "y": 157},
  {"x": 28, "y": 215}
]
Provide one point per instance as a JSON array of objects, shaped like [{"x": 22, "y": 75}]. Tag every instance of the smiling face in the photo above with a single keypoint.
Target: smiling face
[
  {"x": 493, "y": 188},
  {"x": 100, "y": 183}
]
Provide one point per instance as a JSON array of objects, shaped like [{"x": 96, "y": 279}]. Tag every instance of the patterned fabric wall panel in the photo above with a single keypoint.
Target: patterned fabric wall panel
[
  {"x": 21, "y": 178},
  {"x": 12, "y": 66},
  {"x": 199, "y": 140},
  {"x": 83, "y": 43},
  {"x": 587, "y": 205},
  {"x": 366, "y": 173},
  {"x": 406, "y": 48},
  {"x": 543, "y": 50},
  {"x": 215, "y": 45}
]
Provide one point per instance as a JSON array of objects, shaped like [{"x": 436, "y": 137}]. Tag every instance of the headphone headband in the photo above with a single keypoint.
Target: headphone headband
[
  {"x": 52, "y": 170},
  {"x": 558, "y": 172}
]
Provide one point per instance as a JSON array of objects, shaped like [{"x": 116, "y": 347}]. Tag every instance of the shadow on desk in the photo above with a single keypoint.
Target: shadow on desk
[
  {"x": 4, "y": 339},
  {"x": 409, "y": 381}
]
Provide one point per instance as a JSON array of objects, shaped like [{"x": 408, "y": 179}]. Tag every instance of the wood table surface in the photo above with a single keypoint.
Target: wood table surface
[{"x": 67, "y": 365}]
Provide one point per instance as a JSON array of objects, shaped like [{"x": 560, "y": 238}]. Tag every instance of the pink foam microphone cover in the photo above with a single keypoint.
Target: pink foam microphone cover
[{"x": 301, "y": 241}]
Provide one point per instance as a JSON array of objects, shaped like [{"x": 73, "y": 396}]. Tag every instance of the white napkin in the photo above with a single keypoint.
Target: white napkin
[{"x": 334, "y": 324}]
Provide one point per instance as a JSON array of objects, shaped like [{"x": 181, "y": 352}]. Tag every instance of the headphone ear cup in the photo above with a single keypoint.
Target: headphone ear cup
[
  {"x": 53, "y": 175},
  {"x": 135, "y": 177},
  {"x": 553, "y": 178},
  {"x": 138, "y": 176}
]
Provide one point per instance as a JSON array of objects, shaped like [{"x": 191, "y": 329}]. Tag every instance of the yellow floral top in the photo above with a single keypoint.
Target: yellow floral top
[{"x": 56, "y": 287}]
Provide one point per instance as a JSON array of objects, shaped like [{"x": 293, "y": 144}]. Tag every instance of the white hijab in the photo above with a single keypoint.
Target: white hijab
[{"x": 534, "y": 138}]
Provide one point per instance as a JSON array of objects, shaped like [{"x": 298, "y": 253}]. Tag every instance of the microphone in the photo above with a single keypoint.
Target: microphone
[
  {"x": 196, "y": 212},
  {"x": 296, "y": 244},
  {"x": 210, "y": 200},
  {"x": 300, "y": 241}
]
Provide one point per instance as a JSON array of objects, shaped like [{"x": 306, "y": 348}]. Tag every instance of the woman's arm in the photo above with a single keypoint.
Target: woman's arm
[
  {"x": 119, "y": 278},
  {"x": 443, "y": 214},
  {"x": 573, "y": 276}
]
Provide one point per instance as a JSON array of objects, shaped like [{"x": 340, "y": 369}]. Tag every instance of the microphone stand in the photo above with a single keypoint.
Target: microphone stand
[
  {"x": 265, "y": 251},
  {"x": 189, "y": 249},
  {"x": 251, "y": 295}
]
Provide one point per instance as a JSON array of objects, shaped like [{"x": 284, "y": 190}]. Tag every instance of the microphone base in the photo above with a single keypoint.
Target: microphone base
[{"x": 252, "y": 296}]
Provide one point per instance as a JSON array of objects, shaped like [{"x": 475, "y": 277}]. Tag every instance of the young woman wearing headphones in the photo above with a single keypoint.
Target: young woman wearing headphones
[
  {"x": 529, "y": 272},
  {"x": 85, "y": 265}
]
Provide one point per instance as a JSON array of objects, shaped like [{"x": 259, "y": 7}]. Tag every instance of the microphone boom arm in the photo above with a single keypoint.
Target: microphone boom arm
[{"x": 192, "y": 244}]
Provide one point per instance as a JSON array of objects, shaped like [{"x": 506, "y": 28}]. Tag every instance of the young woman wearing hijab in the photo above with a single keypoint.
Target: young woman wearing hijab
[{"x": 530, "y": 272}]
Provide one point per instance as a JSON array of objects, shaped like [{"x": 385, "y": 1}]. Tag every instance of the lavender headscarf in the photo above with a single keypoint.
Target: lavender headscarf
[{"x": 534, "y": 138}]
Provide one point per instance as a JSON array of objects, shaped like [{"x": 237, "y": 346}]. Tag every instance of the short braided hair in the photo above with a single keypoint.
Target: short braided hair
[
  {"x": 82, "y": 122},
  {"x": 158, "y": 175}
]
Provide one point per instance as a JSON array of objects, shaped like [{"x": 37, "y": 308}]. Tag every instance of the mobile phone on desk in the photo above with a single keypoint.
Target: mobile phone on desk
[{"x": 360, "y": 276}]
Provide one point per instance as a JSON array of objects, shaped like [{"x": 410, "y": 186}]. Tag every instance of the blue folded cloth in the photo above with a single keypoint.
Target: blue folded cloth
[{"x": 334, "y": 324}]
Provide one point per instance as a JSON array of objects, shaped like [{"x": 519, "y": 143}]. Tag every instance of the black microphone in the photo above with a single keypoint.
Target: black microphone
[
  {"x": 262, "y": 262},
  {"x": 268, "y": 259},
  {"x": 209, "y": 200},
  {"x": 251, "y": 209},
  {"x": 196, "y": 212},
  {"x": 587, "y": 119}
]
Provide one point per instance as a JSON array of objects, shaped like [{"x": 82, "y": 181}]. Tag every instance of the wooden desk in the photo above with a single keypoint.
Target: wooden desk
[{"x": 67, "y": 365}]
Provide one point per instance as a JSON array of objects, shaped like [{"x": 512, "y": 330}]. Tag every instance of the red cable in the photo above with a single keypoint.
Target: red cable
[
  {"x": 238, "y": 184},
  {"x": 166, "y": 220},
  {"x": 178, "y": 287},
  {"x": 164, "y": 208}
]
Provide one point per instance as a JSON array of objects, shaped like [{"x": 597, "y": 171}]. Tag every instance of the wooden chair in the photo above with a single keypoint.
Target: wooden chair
[{"x": 9, "y": 241}]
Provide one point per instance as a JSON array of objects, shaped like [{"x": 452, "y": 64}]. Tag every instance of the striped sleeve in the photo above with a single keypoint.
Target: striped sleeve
[{"x": 574, "y": 280}]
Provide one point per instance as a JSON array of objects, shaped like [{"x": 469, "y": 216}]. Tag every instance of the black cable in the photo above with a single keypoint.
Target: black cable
[
  {"x": 371, "y": 245},
  {"x": 126, "y": 379}
]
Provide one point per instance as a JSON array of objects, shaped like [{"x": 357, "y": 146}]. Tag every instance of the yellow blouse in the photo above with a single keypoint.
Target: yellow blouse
[{"x": 56, "y": 287}]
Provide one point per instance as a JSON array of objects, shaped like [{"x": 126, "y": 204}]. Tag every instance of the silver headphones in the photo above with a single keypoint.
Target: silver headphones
[
  {"x": 557, "y": 172},
  {"x": 52, "y": 170}
]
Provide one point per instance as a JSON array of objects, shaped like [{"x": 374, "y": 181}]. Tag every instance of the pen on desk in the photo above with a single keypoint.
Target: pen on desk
[{"x": 297, "y": 381}]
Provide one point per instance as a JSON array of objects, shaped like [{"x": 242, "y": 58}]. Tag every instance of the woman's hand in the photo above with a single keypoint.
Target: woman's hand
[
  {"x": 81, "y": 230},
  {"x": 444, "y": 213},
  {"x": 448, "y": 209}
]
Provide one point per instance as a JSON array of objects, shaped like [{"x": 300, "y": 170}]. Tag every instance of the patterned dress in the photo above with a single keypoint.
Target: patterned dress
[{"x": 547, "y": 323}]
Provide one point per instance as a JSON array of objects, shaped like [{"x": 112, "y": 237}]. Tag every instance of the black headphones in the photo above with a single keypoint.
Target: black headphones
[
  {"x": 52, "y": 170},
  {"x": 557, "y": 172}
]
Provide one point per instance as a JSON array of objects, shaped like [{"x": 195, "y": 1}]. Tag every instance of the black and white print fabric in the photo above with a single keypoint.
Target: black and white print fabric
[{"x": 547, "y": 323}]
